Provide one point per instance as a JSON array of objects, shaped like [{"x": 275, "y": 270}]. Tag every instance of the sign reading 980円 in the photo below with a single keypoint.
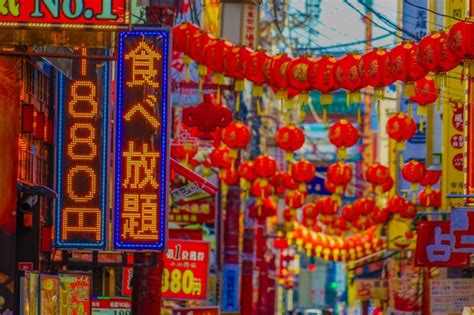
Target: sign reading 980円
[
  {"x": 142, "y": 133},
  {"x": 82, "y": 156}
]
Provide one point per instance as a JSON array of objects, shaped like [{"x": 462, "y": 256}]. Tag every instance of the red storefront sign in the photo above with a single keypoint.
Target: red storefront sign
[
  {"x": 185, "y": 270},
  {"x": 462, "y": 230},
  {"x": 112, "y": 306},
  {"x": 193, "y": 212},
  {"x": 211, "y": 310},
  {"x": 85, "y": 12},
  {"x": 127, "y": 274},
  {"x": 74, "y": 294},
  {"x": 433, "y": 246}
]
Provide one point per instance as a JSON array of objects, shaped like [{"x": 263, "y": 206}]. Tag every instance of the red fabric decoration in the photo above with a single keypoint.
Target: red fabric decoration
[
  {"x": 236, "y": 135},
  {"x": 327, "y": 205},
  {"x": 214, "y": 55},
  {"x": 288, "y": 215},
  {"x": 289, "y": 182},
  {"x": 235, "y": 60},
  {"x": 435, "y": 55},
  {"x": 198, "y": 43},
  {"x": 207, "y": 116},
  {"x": 265, "y": 166},
  {"x": 330, "y": 186},
  {"x": 386, "y": 186}
]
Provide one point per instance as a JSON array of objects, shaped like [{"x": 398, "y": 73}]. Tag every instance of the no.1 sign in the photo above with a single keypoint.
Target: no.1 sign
[{"x": 186, "y": 270}]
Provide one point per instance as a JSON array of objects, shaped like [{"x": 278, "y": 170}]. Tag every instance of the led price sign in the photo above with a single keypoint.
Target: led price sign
[
  {"x": 185, "y": 270},
  {"x": 82, "y": 156},
  {"x": 102, "y": 14},
  {"x": 142, "y": 134}
]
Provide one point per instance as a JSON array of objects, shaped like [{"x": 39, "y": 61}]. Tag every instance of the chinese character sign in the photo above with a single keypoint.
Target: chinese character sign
[
  {"x": 433, "y": 246},
  {"x": 462, "y": 230},
  {"x": 74, "y": 294},
  {"x": 142, "y": 135},
  {"x": 49, "y": 294},
  {"x": 82, "y": 156},
  {"x": 185, "y": 271}
]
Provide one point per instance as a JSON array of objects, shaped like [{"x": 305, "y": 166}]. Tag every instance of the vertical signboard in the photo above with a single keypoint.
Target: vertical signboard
[
  {"x": 453, "y": 123},
  {"x": 82, "y": 155},
  {"x": 142, "y": 134},
  {"x": 186, "y": 270},
  {"x": 74, "y": 294},
  {"x": 49, "y": 295}
]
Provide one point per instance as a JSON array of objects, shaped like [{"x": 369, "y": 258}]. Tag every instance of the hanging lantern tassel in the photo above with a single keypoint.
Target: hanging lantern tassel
[
  {"x": 438, "y": 103},
  {"x": 325, "y": 115},
  {"x": 400, "y": 160},
  {"x": 378, "y": 112},
  {"x": 220, "y": 81},
  {"x": 257, "y": 92},
  {"x": 409, "y": 89},
  {"x": 359, "y": 115},
  {"x": 422, "y": 111},
  {"x": 410, "y": 109},
  {"x": 202, "y": 71},
  {"x": 342, "y": 153},
  {"x": 186, "y": 60},
  {"x": 239, "y": 86}
]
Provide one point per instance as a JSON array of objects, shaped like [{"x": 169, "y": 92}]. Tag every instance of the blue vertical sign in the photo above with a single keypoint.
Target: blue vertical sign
[
  {"x": 230, "y": 288},
  {"x": 415, "y": 23}
]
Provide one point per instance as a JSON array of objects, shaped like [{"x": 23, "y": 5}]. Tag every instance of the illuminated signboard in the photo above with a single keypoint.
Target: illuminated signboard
[
  {"x": 82, "y": 156},
  {"x": 100, "y": 14},
  {"x": 142, "y": 134}
]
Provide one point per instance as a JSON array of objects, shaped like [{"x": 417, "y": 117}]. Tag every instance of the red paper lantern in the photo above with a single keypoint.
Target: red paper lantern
[
  {"x": 395, "y": 204},
  {"x": 330, "y": 186},
  {"x": 405, "y": 65},
  {"x": 435, "y": 55},
  {"x": 340, "y": 223},
  {"x": 288, "y": 215},
  {"x": 426, "y": 93},
  {"x": 297, "y": 73},
  {"x": 236, "y": 135},
  {"x": 400, "y": 128},
  {"x": 220, "y": 157},
  {"x": 183, "y": 151},
  {"x": 343, "y": 135},
  {"x": 327, "y": 205},
  {"x": 295, "y": 198},
  {"x": 413, "y": 172},
  {"x": 289, "y": 138},
  {"x": 303, "y": 171},
  {"x": 431, "y": 199},
  {"x": 340, "y": 174},
  {"x": 431, "y": 178},
  {"x": 278, "y": 182},
  {"x": 364, "y": 206},
  {"x": 377, "y": 174},
  {"x": 182, "y": 35},
  {"x": 235, "y": 61},
  {"x": 246, "y": 171},
  {"x": 321, "y": 77},
  {"x": 386, "y": 186},
  {"x": 310, "y": 215},
  {"x": 255, "y": 67},
  {"x": 409, "y": 211},
  {"x": 264, "y": 166},
  {"x": 348, "y": 75},
  {"x": 229, "y": 177},
  {"x": 349, "y": 213},
  {"x": 199, "y": 41},
  {"x": 277, "y": 78},
  {"x": 461, "y": 37},
  {"x": 289, "y": 182},
  {"x": 214, "y": 57},
  {"x": 380, "y": 216},
  {"x": 260, "y": 189},
  {"x": 376, "y": 71}
]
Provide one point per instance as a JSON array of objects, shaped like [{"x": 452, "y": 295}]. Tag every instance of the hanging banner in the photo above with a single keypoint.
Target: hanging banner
[
  {"x": 205, "y": 310},
  {"x": 404, "y": 286},
  {"x": 433, "y": 246},
  {"x": 189, "y": 212},
  {"x": 453, "y": 99},
  {"x": 75, "y": 294},
  {"x": 103, "y": 14},
  {"x": 230, "y": 288},
  {"x": 142, "y": 133},
  {"x": 449, "y": 296},
  {"x": 49, "y": 295},
  {"x": 82, "y": 155},
  {"x": 186, "y": 270},
  {"x": 462, "y": 230}
]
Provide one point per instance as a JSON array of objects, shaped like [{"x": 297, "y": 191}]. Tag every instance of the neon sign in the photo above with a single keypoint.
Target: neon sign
[
  {"x": 82, "y": 156},
  {"x": 64, "y": 13},
  {"x": 142, "y": 134}
]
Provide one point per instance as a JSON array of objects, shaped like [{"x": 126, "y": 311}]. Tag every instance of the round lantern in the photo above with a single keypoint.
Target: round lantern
[
  {"x": 310, "y": 215},
  {"x": 400, "y": 128},
  {"x": 289, "y": 215},
  {"x": 343, "y": 135},
  {"x": 220, "y": 157},
  {"x": 413, "y": 172},
  {"x": 409, "y": 211},
  {"x": 303, "y": 172},
  {"x": 214, "y": 56},
  {"x": 430, "y": 199},
  {"x": 340, "y": 224},
  {"x": 237, "y": 136},
  {"x": 395, "y": 204},
  {"x": 321, "y": 77},
  {"x": 405, "y": 65},
  {"x": 289, "y": 138},
  {"x": 196, "y": 50},
  {"x": 229, "y": 177},
  {"x": 181, "y": 35},
  {"x": 278, "y": 183},
  {"x": 330, "y": 186},
  {"x": 254, "y": 70},
  {"x": 295, "y": 198},
  {"x": 378, "y": 175},
  {"x": 183, "y": 151},
  {"x": 380, "y": 216},
  {"x": 327, "y": 207},
  {"x": 278, "y": 78},
  {"x": 297, "y": 76},
  {"x": 264, "y": 166},
  {"x": 376, "y": 71},
  {"x": 247, "y": 174},
  {"x": 234, "y": 67},
  {"x": 260, "y": 189},
  {"x": 430, "y": 179},
  {"x": 348, "y": 75},
  {"x": 386, "y": 186},
  {"x": 340, "y": 174},
  {"x": 364, "y": 206},
  {"x": 349, "y": 213},
  {"x": 426, "y": 94},
  {"x": 289, "y": 182},
  {"x": 461, "y": 36},
  {"x": 435, "y": 55}
]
